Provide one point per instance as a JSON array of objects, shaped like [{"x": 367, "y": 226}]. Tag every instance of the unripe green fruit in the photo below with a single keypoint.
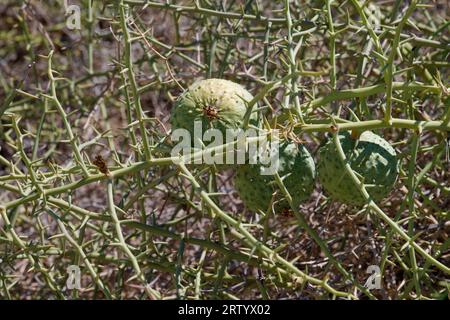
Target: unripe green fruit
[
  {"x": 370, "y": 156},
  {"x": 216, "y": 103},
  {"x": 296, "y": 169}
]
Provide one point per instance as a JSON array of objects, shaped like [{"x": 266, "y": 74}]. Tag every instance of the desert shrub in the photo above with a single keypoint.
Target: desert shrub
[{"x": 87, "y": 178}]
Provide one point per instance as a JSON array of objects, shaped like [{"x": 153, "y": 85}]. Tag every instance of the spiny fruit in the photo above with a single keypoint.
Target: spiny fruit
[
  {"x": 296, "y": 169},
  {"x": 216, "y": 103},
  {"x": 370, "y": 156}
]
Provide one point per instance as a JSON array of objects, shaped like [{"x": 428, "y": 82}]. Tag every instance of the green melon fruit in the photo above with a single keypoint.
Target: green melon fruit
[
  {"x": 370, "y": 156},
  {"x": 216, "y": 103},
  {"x": 296, "y": 169}
]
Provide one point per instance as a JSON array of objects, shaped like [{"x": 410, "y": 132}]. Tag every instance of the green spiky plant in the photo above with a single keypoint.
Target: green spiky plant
[{"x": 84, "y": 182}]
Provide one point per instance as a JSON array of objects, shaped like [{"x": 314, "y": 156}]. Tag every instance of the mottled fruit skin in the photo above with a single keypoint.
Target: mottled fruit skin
[
  {"x": 217, "y": 103},
  {"x": 370, "y": 156},
  {"x": 296, "y": 169}
]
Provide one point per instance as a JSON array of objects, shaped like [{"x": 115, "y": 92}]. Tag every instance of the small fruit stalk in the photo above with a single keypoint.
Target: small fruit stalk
[
  {"x": 370, "y": 156},
  {"x": 296, "y": 169}
]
